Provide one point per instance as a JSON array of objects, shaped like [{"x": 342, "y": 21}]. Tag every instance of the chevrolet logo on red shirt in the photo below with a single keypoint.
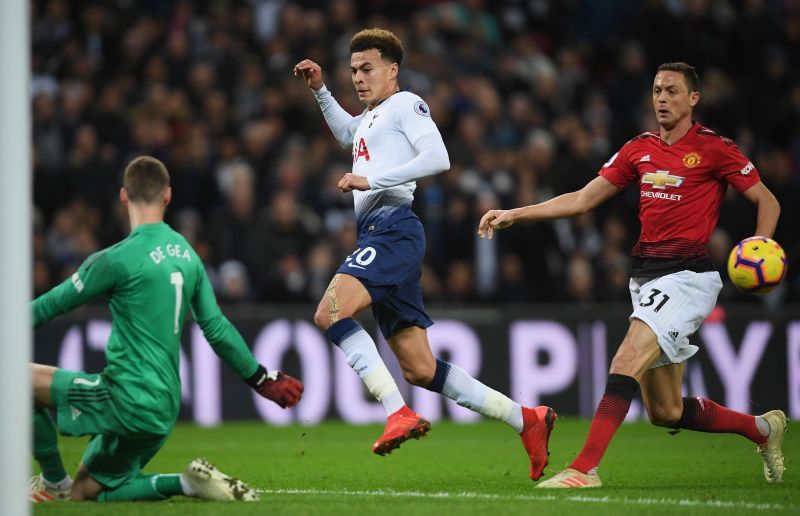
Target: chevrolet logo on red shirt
[{"x": 661, "y": 178}]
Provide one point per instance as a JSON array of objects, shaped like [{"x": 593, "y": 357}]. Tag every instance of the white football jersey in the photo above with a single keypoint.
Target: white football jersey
[
  {"x": 393, "y": 144},
  {"x": 384, "y": 140}
]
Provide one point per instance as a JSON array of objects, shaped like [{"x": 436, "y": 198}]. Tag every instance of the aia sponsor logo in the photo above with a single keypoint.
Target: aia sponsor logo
[{"x": 360, "y": 150}]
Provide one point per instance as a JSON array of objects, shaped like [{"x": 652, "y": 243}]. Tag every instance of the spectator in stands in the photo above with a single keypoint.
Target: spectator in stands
[{"x": 528, "y": 96}]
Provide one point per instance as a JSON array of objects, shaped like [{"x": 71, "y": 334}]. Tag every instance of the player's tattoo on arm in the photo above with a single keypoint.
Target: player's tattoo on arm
[{"x": 333, "y": 303}]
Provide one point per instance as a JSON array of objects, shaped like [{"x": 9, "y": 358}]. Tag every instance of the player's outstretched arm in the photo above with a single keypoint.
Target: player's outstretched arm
[
  {"x": 96, "y": 275},
  {"x": 767, "y": 206},
  {"x": 597, "y": 191},
  {"x": 341, "y": 123},
  {"x": 228, "y": 344}
]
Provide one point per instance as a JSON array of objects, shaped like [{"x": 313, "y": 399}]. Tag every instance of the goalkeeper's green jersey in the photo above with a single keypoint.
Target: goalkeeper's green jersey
[{"x": 150, "y": 278}]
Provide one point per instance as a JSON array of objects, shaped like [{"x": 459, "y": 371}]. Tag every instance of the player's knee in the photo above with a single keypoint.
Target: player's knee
[
  {"x": 78, "y": 495},
  {"x": 84, "y": 491},
  {"x": 84, "y": 487},
  {"x": 665, "y": 416}
]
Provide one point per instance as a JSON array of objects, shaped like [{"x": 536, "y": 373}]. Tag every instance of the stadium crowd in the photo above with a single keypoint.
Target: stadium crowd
[{"x": 531, "y": 97}]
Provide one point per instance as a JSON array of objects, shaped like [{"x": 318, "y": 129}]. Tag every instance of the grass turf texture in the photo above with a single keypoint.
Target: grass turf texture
[{"x": 462, "y": 469}]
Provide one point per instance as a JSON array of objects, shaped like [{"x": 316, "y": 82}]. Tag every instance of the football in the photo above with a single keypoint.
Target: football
[{"x": 757, "y": 265}]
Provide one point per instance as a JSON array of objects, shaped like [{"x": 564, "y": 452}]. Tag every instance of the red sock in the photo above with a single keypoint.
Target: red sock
[
  {"x": 610, "y": 414},
  {"x": 704, "y": 415}
]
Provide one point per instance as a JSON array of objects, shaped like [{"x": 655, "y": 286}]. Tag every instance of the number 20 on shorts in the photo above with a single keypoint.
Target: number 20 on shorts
[{"x": 362, "y": 257}]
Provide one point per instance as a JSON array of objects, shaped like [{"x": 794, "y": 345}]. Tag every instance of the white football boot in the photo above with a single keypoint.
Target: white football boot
[
  {"x": 770, "y": 451},
  {"x": 571, "y": 479},
  {"x": 39, "y": 492},
  {"x": 210, "y": 483}
]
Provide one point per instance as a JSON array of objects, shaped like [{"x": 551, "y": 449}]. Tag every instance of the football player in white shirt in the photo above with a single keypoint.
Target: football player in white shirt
[{"x": 395, "y": 142}]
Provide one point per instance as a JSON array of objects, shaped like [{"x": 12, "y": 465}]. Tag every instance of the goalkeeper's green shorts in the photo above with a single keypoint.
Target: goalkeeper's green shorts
[{"x": 84, "y": 406}]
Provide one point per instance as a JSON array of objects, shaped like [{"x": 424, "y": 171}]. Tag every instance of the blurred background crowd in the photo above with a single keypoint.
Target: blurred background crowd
[{"x": 531, "y": 97}]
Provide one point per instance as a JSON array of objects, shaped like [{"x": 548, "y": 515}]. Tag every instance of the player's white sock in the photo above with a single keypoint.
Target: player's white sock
[
  {"x": 64, "y": 483},
  {"x": 362, "y": 355},
  {"x": 459, "y": 386},
  {"x": 187, "y": 487},
  {"x": 763, "y": 426}
]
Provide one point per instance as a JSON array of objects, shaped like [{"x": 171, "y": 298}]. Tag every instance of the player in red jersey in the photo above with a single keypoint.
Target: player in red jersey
[{"x": 682, "y": 172}]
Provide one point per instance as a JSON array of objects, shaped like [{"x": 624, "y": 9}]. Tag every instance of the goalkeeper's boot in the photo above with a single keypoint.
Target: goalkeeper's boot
[
  {"x": 770, "y": 451},
  {"x": 401, "y": 426},
  {"x": 209, "y": 483},
  {"x": 40, "y": 492},
  {"x": 571, "y": 479},
  {"x": 537, "y": 424}
]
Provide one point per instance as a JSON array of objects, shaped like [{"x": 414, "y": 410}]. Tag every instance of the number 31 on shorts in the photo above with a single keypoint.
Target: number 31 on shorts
[
  {"x": 362, "y": 257},
  {"x": 655, "y": 295}
]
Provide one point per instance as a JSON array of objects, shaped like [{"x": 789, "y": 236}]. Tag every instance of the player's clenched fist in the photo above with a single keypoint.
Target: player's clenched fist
[
  {"x": 350, "y": 182},
  {"x": 311, "y": 72},
  {"x": 494, "y": 219},
  {"x": 281, "y": 388}
]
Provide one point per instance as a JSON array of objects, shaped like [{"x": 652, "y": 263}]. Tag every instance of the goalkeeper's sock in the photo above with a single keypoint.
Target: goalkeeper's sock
[
  {"x": 61, "y": 485},
  {"x": 703, "y": 415},
  {"x": 362, "y": 355},
  {"x": 45, "y": 447},
  {"x": 610, "y": 413},
  {"x": 145, "y": 487},
  {"x": 187, "y": 487},
  {"x": 455, "y": 383}
]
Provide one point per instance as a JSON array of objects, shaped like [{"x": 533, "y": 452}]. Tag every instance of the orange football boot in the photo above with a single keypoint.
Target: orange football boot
[
  {"x": 401, "y": 426},
  {"x": 537, "y": 424}
]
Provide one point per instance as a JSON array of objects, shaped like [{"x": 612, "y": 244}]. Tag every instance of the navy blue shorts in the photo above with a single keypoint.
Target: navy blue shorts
[{"x": 388, "y": 262}]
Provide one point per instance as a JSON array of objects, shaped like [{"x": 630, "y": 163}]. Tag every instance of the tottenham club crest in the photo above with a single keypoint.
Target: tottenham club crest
[
  {"x": 691, "y": 160},
  {"x": 421, "y": 108}
]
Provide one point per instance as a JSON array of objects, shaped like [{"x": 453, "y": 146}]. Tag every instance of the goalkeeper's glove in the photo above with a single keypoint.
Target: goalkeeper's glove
[{"x": 281, "y": 388}]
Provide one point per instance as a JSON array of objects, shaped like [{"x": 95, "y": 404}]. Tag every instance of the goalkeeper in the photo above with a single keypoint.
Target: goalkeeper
[{"x": 129, "y": 409}]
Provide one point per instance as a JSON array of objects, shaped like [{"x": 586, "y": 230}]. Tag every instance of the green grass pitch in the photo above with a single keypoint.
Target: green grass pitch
[{"x": 462, "y": 469}]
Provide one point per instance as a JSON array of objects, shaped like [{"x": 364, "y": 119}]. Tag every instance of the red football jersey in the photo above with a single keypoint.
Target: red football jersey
[{"x": 681, "y": 187}]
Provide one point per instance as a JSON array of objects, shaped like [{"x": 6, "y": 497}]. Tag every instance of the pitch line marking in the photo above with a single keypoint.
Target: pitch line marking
[{"x": 719, "y": 504}]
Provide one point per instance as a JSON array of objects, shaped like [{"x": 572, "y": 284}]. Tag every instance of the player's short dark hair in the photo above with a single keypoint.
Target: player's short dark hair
[
  {"x": 688, "y": 71},
  {"x": 384, "y": 41},
  {"x": 145, "y": 180}
]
